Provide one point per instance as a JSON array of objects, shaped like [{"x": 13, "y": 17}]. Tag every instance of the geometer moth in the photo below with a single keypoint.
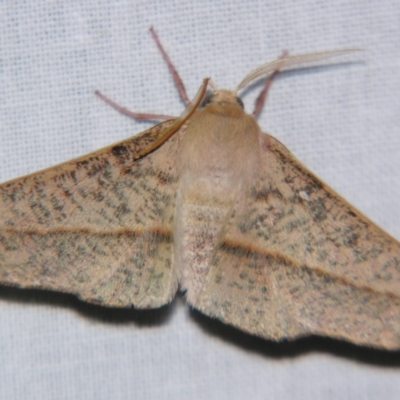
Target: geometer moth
[{"x": 208, "y": 204}]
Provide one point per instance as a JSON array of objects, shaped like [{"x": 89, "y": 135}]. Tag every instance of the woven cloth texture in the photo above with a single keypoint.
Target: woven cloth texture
[{"x": 341, "y": 120}]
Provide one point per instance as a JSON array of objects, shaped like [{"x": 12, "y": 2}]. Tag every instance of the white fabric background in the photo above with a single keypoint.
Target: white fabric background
[{"x": 341, "y": 121}]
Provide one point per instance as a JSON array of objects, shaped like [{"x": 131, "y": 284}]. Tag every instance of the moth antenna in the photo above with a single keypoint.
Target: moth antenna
[
  {"x": 290, "y": 62},
  {"x": 177, "y": 79},
  {"x": 268, "y": 82},
  {"x": 177, "y": 122}
]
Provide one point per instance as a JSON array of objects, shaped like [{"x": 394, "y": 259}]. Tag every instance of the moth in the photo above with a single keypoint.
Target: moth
[{"x": 207, "y": 204}]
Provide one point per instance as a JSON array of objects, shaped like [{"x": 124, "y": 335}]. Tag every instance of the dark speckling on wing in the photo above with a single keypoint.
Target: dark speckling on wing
[
  {"x": 102, "y": 232},
  {"x": 302, "y": 260}
]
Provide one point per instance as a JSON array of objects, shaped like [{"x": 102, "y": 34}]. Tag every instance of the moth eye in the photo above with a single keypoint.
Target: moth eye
[
  {"x": 207, "y": 99},
  {"x": 240, "y": 102}
]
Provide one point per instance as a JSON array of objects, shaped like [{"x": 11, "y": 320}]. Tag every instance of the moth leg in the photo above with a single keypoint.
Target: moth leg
[
  {"x": 129, "y": 113},
  {"x": 263, "y": 94},
  {"x": 177, "y": 79}
]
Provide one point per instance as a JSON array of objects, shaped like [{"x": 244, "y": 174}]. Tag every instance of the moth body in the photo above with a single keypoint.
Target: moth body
[{"x": 218, "y": 161}]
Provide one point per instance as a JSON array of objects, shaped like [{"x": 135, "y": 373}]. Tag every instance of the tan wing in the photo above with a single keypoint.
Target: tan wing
[
  {"x": 98, "y": 226},
  {"x": 302, "y": 261}
]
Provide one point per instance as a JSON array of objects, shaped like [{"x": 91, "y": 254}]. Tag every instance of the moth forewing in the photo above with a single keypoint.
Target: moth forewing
[{"x": 98, "y": 226}]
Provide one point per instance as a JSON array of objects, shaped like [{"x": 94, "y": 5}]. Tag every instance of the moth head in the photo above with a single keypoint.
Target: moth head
[{"x": 221, "y": 96}]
